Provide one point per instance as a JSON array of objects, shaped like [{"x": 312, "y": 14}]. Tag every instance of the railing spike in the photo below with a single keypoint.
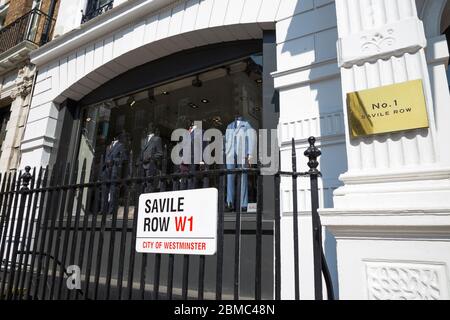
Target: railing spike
[
  {"x": 26, "y": 178},
  {"x": 313, "y": 153}
]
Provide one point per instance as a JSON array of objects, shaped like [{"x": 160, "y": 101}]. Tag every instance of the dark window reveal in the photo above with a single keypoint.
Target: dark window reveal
[
  {"x": 4, "y": 118},
  {"x": 95, "y": 8}
]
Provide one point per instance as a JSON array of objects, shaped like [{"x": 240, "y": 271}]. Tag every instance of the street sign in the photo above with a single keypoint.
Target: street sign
[{"x": 178, "y": 222}]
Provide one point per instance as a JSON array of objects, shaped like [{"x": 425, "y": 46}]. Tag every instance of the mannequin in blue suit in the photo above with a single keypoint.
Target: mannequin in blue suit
[{"x": 239, "y": 144}]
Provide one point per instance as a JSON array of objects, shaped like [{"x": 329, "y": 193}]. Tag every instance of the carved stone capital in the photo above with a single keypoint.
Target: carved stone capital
[
  {"x": 395, "y": 39},
  {"x": 24, "y": 82}
]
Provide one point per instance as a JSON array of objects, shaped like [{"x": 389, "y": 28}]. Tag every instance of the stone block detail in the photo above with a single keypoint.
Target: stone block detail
[{"x": 405, "y": 281}]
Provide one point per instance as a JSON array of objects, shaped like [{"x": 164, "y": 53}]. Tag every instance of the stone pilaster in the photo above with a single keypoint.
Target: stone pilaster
[
  {"x": 20, "y": 96},
  {"x": 391, "y": 219},
  {"x": 382, "y": 43}
]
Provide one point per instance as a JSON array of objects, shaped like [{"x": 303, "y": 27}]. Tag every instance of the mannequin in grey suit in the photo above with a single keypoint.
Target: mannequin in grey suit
[
  {"x": 196, "y": 145},
  {"x": 151, "y": 153},
  {"x": 115, "y": 156}
]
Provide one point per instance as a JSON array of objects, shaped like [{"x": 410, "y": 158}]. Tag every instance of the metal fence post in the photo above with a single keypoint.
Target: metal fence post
[
  {"x": 26, "y": 177},
  {"x": 295, "y": 221},
  {"x": 313, "y": 153}
]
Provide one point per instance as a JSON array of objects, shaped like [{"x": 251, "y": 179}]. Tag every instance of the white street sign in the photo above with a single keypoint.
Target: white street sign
[{"x": 178, "y": 222}]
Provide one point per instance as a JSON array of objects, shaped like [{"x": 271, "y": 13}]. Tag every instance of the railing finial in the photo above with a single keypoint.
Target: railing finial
[
  {"x": 26, "y": 178},
  {"x": 313, "y": 153}
]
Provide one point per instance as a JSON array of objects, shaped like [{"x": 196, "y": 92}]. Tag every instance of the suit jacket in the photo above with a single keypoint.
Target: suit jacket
[
  {"x": 114, "y": 159},
  {"x": 239, "y": 140},
  {"x": 151, "y": 152},
  {"x": 195, "y": 145}
]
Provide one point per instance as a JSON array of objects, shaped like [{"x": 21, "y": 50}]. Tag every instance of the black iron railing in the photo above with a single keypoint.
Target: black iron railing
[
  {"x": 35, "y": 26},
  {"x": 53, "y": 219},
  {"x": 95, "y": 11}
]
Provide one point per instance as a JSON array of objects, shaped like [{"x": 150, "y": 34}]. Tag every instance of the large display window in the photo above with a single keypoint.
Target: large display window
[{"x": 137, "y": 127}]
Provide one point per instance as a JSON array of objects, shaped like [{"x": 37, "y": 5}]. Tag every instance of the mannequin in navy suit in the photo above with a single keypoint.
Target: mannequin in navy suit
[
  {"x": 239, "y": 144},
  {"x": 151, "y": 154},
  {"x": 115, "y": 157}
]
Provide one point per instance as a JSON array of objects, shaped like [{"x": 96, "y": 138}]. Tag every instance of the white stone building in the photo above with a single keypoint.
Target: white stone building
[
  {"x": 24, "y": 26},
  {"x": 385, "y": 198}
]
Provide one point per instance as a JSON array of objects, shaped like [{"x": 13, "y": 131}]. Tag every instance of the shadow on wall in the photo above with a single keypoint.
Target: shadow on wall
[
  {"x": 447, "y": 35},
  {"x": 326, "y": 95}
]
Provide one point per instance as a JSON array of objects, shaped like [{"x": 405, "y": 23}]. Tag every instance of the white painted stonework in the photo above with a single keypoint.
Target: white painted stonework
[
  {"x": 388, "y": 197},
  {"x": 391, "y": 218},
  {"x": 15, "y": 90}
]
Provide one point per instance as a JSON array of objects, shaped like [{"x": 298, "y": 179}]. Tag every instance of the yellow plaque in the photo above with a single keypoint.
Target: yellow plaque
[{"x": 386, "y": 109}]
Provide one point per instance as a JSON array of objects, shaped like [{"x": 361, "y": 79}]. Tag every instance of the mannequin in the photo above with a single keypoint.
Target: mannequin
[
  {"x": 115, "y": 157},
  {"x": 239, "y": 144},
  {"x": 196, "y": 145},
  {"x": 151, "y": 153}
]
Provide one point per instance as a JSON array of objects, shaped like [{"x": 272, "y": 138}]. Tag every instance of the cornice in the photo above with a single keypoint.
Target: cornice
[{"x": 98, "y": 27}]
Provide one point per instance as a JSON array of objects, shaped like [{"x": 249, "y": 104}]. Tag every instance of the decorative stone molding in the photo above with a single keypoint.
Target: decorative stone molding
[
  {"x": 326, "y": 189},
  {"x": 378, "y": 42},
  {"x": 24, "y": 82},
  {"x": 396, "y": 39},
  {"x": 324, "y": 125},
  {"x": 405, "y": 281},
  {"x": 437, "y": 50}
]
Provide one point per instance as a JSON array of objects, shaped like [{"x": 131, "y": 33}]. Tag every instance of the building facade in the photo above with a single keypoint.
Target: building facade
[
  {"x": 115, "y": 66},
  {"x": 25, "y": 25}
]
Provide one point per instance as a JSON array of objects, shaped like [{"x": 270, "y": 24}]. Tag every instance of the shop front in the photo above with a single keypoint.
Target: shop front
[
  {"x": 124, "y": 129},
  {"x": 137, "y": 72}
]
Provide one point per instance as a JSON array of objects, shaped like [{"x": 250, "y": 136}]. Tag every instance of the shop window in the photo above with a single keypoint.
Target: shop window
[{"x": 213, "y": 98}]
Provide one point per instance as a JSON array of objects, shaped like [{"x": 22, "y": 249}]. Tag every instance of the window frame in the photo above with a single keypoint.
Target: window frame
[{"x": 3, "y": 14}]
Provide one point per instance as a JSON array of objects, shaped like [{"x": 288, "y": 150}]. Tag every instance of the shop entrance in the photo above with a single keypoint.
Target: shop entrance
[{"x": 139, "y": 126}]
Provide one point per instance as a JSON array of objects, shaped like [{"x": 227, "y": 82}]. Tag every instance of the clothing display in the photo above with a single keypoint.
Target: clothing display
[
  {"x": 207, "y": 102},
  {"x": 194, "y": 161},
  {"x": 239, "y": 144},
  {"x": 151, "y": 153},
  {"x": 115, "y": 156}
]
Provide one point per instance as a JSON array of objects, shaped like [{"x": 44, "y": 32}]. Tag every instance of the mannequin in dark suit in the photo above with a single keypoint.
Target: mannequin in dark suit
[
  {"x": 114, "y": 160},
  {"x": 196, "y": 145},
  {"x": 151, "y": 154}
]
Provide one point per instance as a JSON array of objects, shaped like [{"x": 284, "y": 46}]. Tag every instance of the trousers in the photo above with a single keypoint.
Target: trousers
[{"x": 231, "y": 179}]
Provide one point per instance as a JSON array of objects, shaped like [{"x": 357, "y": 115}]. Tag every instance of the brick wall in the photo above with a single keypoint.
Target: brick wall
[
  {"x": 45, "y": 7},
  {"x": 17, "y": 8}
]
